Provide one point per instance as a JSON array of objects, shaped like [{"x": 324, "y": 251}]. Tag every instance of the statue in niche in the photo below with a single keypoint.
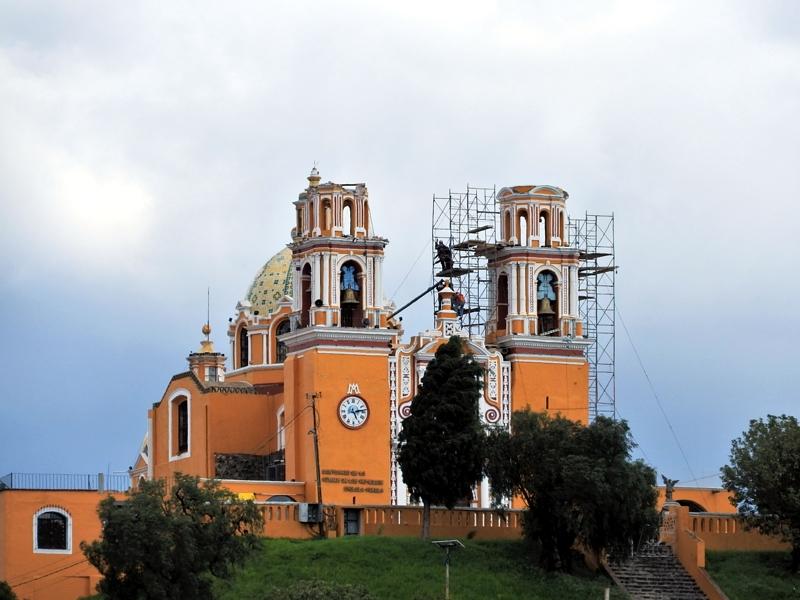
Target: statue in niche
[
  {"x": 670, "y": 486},
  {"x": 349, "y": 278}
]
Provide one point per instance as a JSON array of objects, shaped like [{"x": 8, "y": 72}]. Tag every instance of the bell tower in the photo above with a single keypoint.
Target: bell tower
[
  {"x": 337, "y": 259},
  {"x": 533, "y": 272}
]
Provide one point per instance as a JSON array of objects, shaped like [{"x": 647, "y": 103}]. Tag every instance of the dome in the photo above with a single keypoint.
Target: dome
[{"x": 273, "y": 282}]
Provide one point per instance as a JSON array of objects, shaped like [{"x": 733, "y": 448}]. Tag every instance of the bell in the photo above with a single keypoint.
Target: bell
[
  {"x": 349, "y": 297},
  {"x": 545, "y": 308}
]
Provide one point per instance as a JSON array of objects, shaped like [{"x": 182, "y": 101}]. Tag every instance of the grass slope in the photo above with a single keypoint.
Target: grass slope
[
  {"x": 407, "y": 569},
  {"x": 749, "y": 575}
]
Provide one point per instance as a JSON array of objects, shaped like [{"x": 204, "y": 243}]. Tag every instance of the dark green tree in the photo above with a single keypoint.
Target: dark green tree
[
  {"x": 163, "y": 546},
  {"x": 579, "y": 484},
  {"x": 764, "y": 477},
  {"x": 441, "y": 443},
  {"x": 6, "y": 593}
]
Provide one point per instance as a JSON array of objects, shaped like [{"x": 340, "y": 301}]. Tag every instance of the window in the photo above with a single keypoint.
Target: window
[
  {"x": 180, "y": 424},
  {"x": 52, "y": 531},
  {"x": 281, "y": 429},
  {"x": 212, "y": 374},
  {"x": 183, "y": 427},
  {"x": 283, "y": 327},
  {"x": 244, "y": 348},
  {"x": 502, "y": 301}
]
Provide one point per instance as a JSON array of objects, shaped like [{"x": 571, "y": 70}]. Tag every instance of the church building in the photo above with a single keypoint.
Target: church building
[{"x": 316, "y": 338}]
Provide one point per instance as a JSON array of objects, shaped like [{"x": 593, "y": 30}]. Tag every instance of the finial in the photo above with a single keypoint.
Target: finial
[
  {"x": 207, "y": 346},
  {"x": 314, "y": 178}
]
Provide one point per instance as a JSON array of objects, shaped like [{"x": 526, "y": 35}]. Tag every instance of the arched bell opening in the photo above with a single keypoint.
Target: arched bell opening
[
  {"x": 299, "y": 230},
  {"x": 502, "y": 301},
  {"x": 522, "y": 220},
  {"x": 561, "y": 221},
  {"x": 351, "y": 295},
  {"x": 507, "y": 233},
  {"x": 545, "y": 238},
  {"x": 305, "y": 296},
  {"x": 348, "y": 218},
  {"x": 367, "y": 227},
  {"x": 547, "y": 303}
]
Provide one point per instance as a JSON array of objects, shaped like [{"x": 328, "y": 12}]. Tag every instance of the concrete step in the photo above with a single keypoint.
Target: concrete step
[{"x": 655, "y": 573}]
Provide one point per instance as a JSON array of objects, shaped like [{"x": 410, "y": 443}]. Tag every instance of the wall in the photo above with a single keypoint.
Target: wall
[
  {"x": 565, "y": 385},
  {"x": 459, "y": 523},
  {"x": 726, "y": 532},
  {"x": 36, "y": 576}
]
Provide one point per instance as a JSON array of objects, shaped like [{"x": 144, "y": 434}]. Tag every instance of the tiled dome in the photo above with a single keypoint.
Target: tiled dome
[{"x": 273, "y": 282}]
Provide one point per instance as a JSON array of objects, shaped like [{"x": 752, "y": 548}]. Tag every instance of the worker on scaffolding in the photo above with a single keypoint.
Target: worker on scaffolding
[
  {"x": 444, "y": 256},
  {"x": 458, "y": 304}
]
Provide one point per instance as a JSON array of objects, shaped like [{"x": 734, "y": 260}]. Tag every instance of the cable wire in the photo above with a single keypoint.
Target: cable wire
[{"x": 655, "y": 394}]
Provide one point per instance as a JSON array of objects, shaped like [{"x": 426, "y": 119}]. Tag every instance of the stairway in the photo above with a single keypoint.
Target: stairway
[{"x": 654, "y": 573}]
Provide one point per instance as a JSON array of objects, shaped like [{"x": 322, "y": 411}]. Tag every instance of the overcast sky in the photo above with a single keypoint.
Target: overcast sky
[{"x": 150, "y": 149}]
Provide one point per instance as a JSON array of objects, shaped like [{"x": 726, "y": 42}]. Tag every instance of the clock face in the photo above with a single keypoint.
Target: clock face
[{"x": 353, "y": 412}]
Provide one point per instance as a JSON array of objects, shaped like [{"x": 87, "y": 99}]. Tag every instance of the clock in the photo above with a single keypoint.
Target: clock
[{"x": 353, "y": 411}]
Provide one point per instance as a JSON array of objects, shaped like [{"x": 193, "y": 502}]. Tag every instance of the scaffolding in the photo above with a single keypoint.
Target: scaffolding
[
  {"x": 466, "y": 221},
  {"x": 593, "y": 236}
]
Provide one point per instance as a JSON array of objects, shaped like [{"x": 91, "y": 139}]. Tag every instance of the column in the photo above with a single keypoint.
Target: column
[{"x": 512, "y": 292}]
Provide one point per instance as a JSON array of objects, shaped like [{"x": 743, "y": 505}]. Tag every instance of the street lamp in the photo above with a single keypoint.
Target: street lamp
[{"x": 447, "y": 545}]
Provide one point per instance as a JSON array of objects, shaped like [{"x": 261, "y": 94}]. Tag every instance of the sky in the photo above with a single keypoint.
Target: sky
[{"x": 152, "y": 150}]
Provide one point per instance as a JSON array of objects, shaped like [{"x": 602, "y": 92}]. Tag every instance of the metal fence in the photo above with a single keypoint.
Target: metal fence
[{"x": 65, "y": 481}]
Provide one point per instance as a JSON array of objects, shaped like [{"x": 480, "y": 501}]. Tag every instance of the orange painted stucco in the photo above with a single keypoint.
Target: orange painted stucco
[
  {"x": 47, "y": 576},
  {"x": 713, "y": 500}
]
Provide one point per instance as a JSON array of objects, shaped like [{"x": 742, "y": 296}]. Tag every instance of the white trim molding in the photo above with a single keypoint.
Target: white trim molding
[
  {"x": 61, "y": 511},
  {"x": 180, "y": 393}
]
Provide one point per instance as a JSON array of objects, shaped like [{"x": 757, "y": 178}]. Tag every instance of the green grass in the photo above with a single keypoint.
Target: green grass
[
  {"x": 754, "y": 575},
  {"x": 408, "y": 569}
]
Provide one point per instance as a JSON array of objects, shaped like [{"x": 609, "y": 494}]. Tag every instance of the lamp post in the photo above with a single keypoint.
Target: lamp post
[{"x": 447, "y": 545}]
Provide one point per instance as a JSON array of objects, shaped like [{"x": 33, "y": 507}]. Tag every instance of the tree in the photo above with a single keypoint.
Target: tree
[
  {"x": 764, "y": 477},
  {"x": 578, "y": 484},
  {"x": 167, "y": 546},
  {"x": 6, "y": 593},
  {"x": 441, "y": 443}
]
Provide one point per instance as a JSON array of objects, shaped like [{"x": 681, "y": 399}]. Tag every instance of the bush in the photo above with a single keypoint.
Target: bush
[
  {"x": 6, "y": 593},
  {"x": 318, "y": 590}
]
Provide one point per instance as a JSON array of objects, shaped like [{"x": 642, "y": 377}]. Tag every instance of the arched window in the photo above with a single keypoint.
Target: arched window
[
  {"x": 283, "y": 327},
  {"x": 507, "y": 226},
  {"x": 351, "y": 295},
  {"x": 502, "y": 301},
  {"x": 305, "y": 296},
  {"x": 299, "y": 221},
  {"x": 366, "y": 218},
  {"x": 347, "y": 218},
  {"x": 52, "y": 531},
  {"x": 544, "y": 228},
  {"x": 561, "y": 220},
  {"x": 244, "y": 347},
  {"x": 183, "y": 427},
  {"x": 523, "y": 228}
]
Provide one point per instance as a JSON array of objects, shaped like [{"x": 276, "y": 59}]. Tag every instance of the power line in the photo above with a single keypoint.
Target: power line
[
  {"x": 655, "y": 395},
  {"x": 285, "y": 426},
  {"x": 50, "y": 573}
]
